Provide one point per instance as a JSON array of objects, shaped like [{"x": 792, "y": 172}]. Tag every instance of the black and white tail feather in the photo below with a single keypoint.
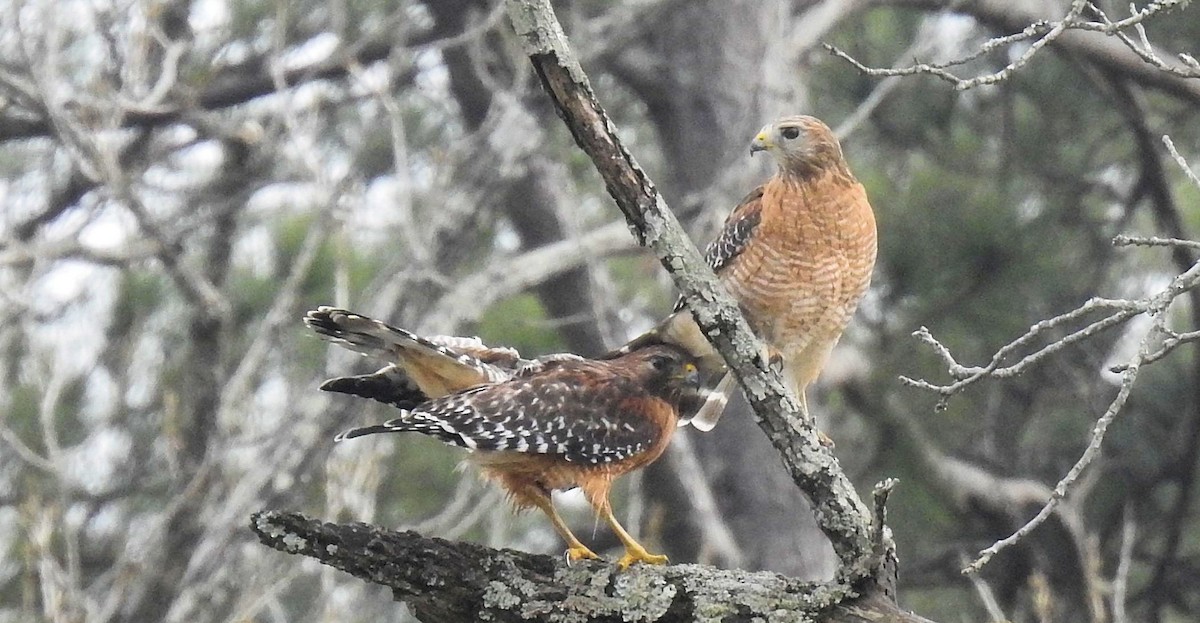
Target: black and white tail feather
[
  {"x": 577, "y": 424},
  {"x": 387, "y": 343},
  {"x": 467, "y": 357}
]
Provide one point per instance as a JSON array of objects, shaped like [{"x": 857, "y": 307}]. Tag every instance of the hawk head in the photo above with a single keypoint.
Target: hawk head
[
  {"x": 664, "y": 370},
  {"x": 801, "y": 145}
]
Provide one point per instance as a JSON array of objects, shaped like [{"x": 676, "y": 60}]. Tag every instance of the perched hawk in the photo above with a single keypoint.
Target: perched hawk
[
  {"x": 421, "y": 368},
  {"x": 797, "y": 254},
  {"x": 564, "y": 423}
]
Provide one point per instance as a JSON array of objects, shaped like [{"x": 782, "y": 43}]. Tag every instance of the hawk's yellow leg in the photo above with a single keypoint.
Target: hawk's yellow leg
[
  {"x": 575, "y": 549},
  {"x": 634, "y": 552}
]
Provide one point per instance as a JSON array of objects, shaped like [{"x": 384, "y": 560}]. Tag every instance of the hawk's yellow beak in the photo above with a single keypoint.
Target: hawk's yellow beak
[
  {"x": 760, "y": 143},
  {"x": 691, "y": 375}
]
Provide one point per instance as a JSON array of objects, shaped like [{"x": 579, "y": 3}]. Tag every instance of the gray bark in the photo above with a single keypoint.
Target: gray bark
[{"x": 451, "y": 582}]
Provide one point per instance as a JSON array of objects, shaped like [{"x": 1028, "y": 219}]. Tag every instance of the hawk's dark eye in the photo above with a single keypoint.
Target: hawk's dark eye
[
  {"x": 790, "y": 132},
  {"x": 660, "y": 362}
]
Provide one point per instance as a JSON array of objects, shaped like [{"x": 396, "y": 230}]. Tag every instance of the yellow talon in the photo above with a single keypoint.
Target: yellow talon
[
  {"x": 633, "y": 555},
  {"x": 580, "y": 552}
]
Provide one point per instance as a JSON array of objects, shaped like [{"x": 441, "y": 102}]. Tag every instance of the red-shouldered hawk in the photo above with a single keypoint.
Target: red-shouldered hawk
[
  {"x": 420, "y": 368},
  {"x": 560, "y": 424},
  {"x": 797, "y": 254}
]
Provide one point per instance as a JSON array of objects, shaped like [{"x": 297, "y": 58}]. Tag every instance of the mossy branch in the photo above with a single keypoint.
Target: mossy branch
[{"x": 452, "y": 582}]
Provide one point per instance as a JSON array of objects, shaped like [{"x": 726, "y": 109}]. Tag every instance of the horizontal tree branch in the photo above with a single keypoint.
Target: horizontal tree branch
[{"x": 448, "y": 581}]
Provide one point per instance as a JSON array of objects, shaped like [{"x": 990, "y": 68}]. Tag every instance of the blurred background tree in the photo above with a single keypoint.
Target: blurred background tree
[{"x": 181, "y": 181}]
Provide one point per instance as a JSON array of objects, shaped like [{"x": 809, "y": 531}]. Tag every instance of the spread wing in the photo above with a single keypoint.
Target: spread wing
[
  {"x": 580, "y": 418},
  {"x": 419, "y": 368}
]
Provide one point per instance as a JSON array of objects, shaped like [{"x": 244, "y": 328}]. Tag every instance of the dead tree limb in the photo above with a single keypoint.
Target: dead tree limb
[{"x": 448, "y": 582}]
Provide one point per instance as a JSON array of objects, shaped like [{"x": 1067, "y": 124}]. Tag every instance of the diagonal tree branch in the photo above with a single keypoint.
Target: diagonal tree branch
[{"x": 841, "y": 514}]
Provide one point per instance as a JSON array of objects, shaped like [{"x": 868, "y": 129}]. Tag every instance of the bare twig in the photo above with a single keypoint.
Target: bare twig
[
  {"x": 1156, "y": 307},
  {"x": 984, "y": 591},
  {"x": 1145, "y": 51},
  {"x": 1119, "y": 310},
  {"x": 1051, "y": 30},
  {"x": 1123, "y": 240},
  {"x": 1180, "y": 161},
  {"x": 1135, "y": 18},
  {"x": 1172, "y": 341},
  {"x": 1041, "y": 33}
]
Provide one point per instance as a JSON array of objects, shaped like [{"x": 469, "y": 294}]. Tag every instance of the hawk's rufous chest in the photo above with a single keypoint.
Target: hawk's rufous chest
[{"x": 809, "y": 262}]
